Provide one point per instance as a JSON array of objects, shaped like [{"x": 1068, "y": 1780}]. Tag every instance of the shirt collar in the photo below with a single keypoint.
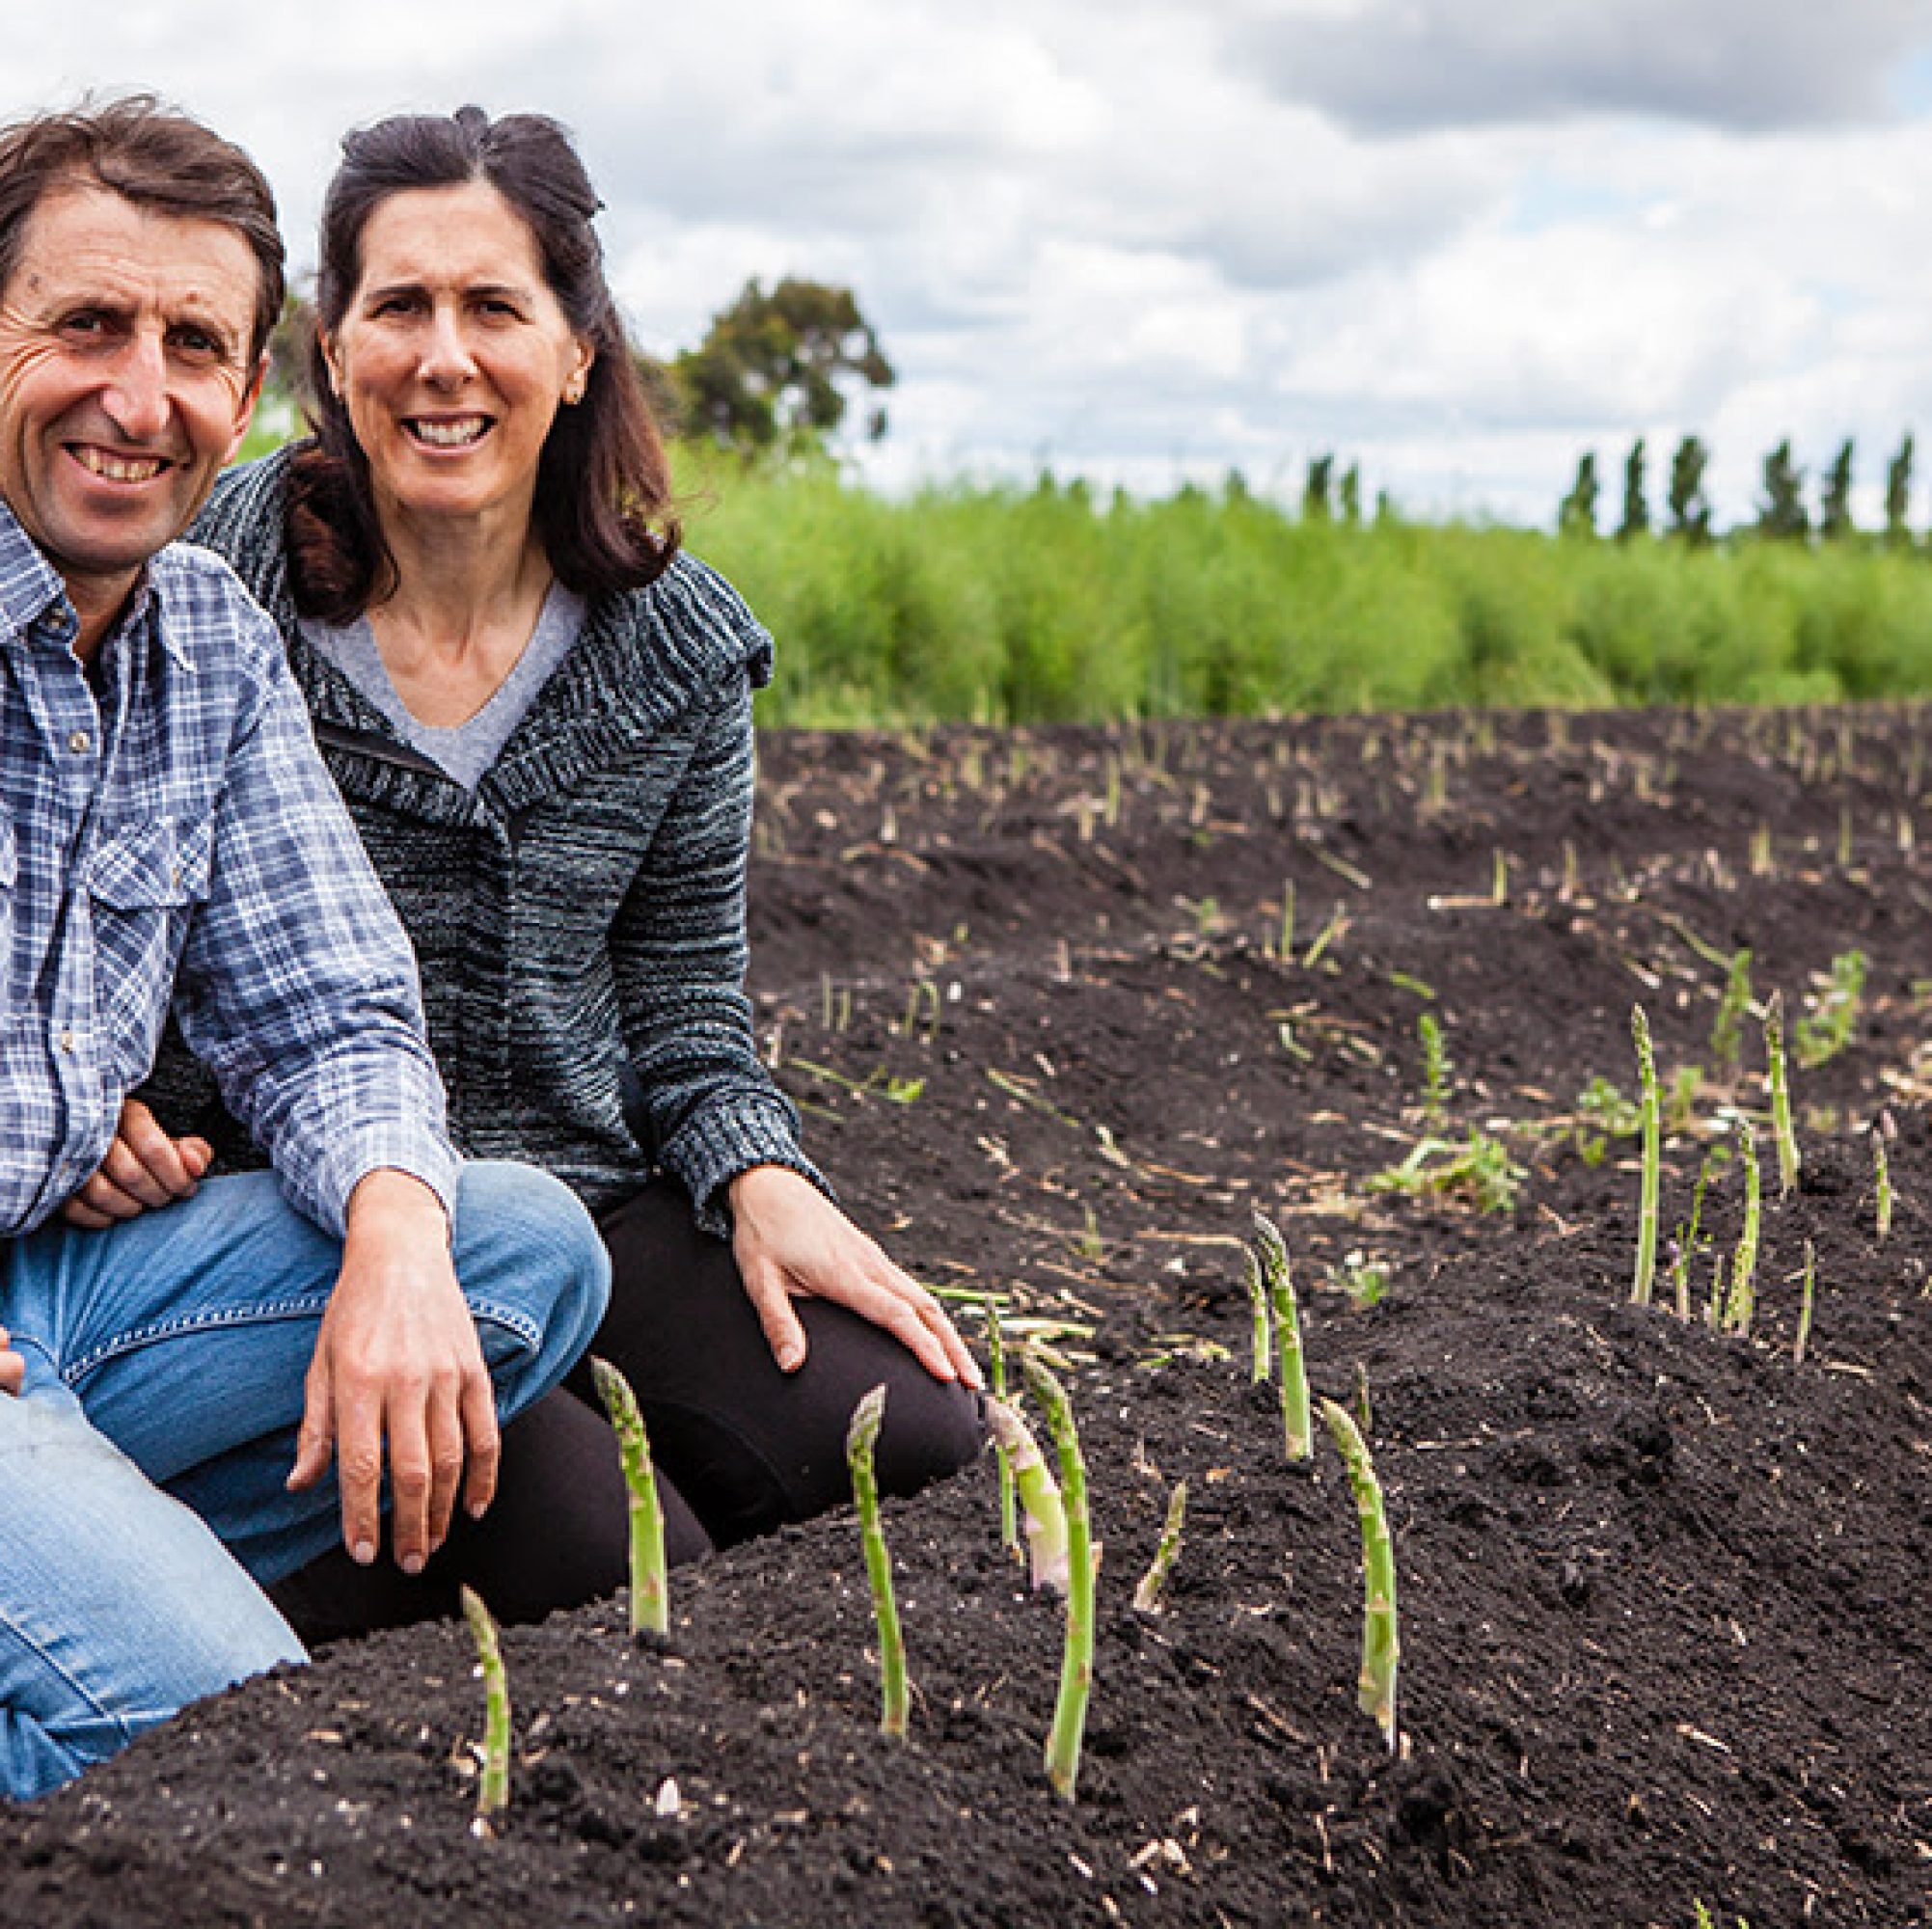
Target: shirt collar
[{"x": 30, "y": 586}]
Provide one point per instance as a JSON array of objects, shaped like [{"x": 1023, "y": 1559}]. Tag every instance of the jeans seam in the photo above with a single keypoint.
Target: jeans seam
[
  {"x": 220, "y": 1318},
  {"x": 125, "y": 1719}
]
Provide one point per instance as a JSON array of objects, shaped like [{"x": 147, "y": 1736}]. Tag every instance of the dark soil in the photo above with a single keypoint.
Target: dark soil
[{"x": 1664, "y": 1592}]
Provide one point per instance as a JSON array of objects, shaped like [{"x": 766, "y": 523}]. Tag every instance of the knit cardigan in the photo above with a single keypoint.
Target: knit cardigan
[{"x": 579, "y": 919}]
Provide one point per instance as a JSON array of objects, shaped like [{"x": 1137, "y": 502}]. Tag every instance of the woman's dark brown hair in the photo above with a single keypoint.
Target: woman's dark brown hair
[{"x": 603, "y": 488}]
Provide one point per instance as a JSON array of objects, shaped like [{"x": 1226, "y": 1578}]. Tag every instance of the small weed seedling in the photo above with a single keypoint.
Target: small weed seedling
[
  {"x": 1077, "y": 1663},
  {"x": 1478, "y": 1168},
  {"x": 650, "y": 1592},
  {"x": 1434, "y": 1070},
  {"x": 1602, "y": 1114},
  {"x": 1726, "y": 1032},
  {"x": 493, "y": 1785},
  {"x": 1826, "y": 1029},
  {"x": 861, "y": 1438},
  {"x": 1381, "y": 1647}
]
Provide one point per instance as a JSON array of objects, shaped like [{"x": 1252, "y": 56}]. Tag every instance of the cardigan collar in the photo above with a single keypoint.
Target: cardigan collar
[{"x": 643, "y": 659}]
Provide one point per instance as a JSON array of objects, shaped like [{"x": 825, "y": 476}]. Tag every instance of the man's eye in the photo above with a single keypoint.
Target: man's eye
[{"x": 86, "y": 323}]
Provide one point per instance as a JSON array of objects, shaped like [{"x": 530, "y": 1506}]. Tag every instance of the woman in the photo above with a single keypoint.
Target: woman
[{"x": 540, "y": 712}]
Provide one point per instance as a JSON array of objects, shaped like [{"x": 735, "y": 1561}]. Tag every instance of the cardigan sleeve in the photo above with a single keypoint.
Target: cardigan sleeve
[{"x": 678, "y": 953}]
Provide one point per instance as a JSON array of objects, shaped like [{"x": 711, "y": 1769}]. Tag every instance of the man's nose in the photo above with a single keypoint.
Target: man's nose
[{"x": 136, "y": 400}]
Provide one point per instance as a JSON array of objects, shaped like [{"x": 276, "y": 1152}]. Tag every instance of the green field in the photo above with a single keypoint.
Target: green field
[{"x": 1034, "y": 605}]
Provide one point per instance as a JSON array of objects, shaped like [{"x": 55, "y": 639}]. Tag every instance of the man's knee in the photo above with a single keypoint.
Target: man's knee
[{"x": 526, "y": 1248}]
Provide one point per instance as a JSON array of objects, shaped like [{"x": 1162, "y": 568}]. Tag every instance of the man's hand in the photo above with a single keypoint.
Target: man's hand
[
  {"x": 13, "y": 1368},
  {"x": 144, "y": 1168},
  {"x": 398, "y": 1366},
  {"x": 791, "y": 1241}
]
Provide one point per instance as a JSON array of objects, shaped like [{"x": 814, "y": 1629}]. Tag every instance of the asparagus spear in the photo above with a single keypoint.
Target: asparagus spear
[
  {"x": 650, "y": 1593},
  {"x": 1653, "y": 1160},
  {"x": 493, "y": 1790},
  {"x": 859, "y": 1441},
  {"x": 1297, "y": 1426},
  {"x": 1076, "y": 1665},
  {"x": 1039, "y": 1496},
  {"x": 1147, "y": 1597},
  {"x": 1381, "y": 1649}
]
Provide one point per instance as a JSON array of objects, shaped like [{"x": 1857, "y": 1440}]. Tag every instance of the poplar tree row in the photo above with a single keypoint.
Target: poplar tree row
[{"x": 1784, "y": 514}]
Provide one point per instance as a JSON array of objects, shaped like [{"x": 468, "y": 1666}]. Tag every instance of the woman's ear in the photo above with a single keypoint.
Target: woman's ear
[{"x": 579, "y": 382}]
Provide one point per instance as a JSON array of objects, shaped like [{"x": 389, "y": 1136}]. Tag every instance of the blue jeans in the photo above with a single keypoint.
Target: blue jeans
[{"x": 165, "y": 1367}]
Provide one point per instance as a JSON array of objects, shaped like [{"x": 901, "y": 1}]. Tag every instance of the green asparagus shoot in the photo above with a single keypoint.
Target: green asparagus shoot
[
  {"x": 1781, "y": 1094},
  {"x": 1258, "y": 1306},
  {"x": 860, "y": 1440},
  {"x": 1434, "y": 1070},
  {"x": 1285, "y": 944},
  {"x": 493, "y": 1789},
  {"x": 1039, "y": 1496},
  {"x": 996, "y": 1349},
  {"x": 1365, "y": 1415},
  {"x": 1807, "y": 1295},
  {"x": 1381, "y": 1647},
  {"x": 650, "y": 1592},
  {"x": 1147, "y": 1597},
  {"x": 1651, "y": 1166},
  {"x": 1881, "y": 1174},
  {"x": 1271, "y": 1250},
  {"x": 1741, "y": 1302},
  {"x": 1076, "y": 1665},
  {"x": 1726, "y": 1032}
]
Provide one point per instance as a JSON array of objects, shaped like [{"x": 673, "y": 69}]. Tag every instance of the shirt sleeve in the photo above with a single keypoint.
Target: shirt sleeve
[
  {"x": 297, "y": 986},
  {"x": 679, "y": 951}
]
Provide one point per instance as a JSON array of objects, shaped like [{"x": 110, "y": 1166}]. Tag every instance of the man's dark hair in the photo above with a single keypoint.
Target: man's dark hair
[
  {"x": 156, "y": 157},
  {"x": 603, "y": 489}
]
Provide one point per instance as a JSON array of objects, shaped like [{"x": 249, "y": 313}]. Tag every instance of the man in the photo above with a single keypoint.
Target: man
[{"x": 169, "y": 835}]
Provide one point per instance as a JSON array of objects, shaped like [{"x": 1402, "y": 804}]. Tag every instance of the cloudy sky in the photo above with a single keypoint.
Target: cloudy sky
[{"x": 1459, "y": 241}]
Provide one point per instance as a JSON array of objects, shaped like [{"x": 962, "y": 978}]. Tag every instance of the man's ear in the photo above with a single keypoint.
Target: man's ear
[{"x": 244, "y": 413}]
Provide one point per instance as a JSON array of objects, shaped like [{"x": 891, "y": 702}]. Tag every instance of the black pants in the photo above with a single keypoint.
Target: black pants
[{"x": 740, "y": 1448}]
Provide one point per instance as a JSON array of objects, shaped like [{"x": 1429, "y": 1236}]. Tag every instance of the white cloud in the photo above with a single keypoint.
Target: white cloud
[
  {"x": 1151, "y": 239},
  {"x": 1393, "y": 65}
]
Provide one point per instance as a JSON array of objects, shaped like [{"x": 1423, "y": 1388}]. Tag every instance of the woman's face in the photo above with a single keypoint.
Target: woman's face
[{"x": 453, "y": 356}]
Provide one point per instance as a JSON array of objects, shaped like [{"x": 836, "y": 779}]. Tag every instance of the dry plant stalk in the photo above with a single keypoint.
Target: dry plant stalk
[
  {"x": 1147, "y": 1597},
  {"x": 493, "y": 1787},
  {"x": 650, "y": 1587},
  {"x": 1382, "y": 1646},
  {"x": 895, "y": 1697},
  {"x": 1651, "y": 1168},
  {"x": 1779, "y": 1075}
]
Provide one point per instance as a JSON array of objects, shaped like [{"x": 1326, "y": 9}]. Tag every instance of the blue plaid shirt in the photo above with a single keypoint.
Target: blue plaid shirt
[{"x": 169, "y": 830}]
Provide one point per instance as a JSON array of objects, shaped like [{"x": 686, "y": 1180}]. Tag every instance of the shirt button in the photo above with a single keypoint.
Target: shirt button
[
  {"x": 80, "y": 742},
  {"x": 68, "y": 1043}
]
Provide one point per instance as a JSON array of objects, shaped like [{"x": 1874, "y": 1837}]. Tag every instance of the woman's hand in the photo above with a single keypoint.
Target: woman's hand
[
  {"x": 13, "y": 1368},
  {"x": 144, "y": 1168},
  {"x": 792, "y": 1242}
]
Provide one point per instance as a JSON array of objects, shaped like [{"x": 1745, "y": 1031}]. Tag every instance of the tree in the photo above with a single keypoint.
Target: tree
[
  {"x": 1576, "y": 514},
  {"x": 1835, "y": 500},
  {"x": 1351, "y": 495},
  {"x": 1690, "y": 507},
  {"x": 1898, "y": 496},
  {"x": 774, "y": 367},
  {"x": 1635, "y": 510},
  {"x": 1781, "y": 515},
  {"x": 1316, "y": 506}
]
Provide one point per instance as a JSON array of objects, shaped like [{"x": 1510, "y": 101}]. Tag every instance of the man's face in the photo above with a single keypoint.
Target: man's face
[{"x": 126, "y": 381}]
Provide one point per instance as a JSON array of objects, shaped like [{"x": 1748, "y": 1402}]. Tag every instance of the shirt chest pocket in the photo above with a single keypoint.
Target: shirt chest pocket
[
  {"x": 144, "y": 884},
  {"x": 160, "y": 865}
]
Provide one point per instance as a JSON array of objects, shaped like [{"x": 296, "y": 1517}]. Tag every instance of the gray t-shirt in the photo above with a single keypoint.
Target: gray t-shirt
[{"x": 465, "y": 750}]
